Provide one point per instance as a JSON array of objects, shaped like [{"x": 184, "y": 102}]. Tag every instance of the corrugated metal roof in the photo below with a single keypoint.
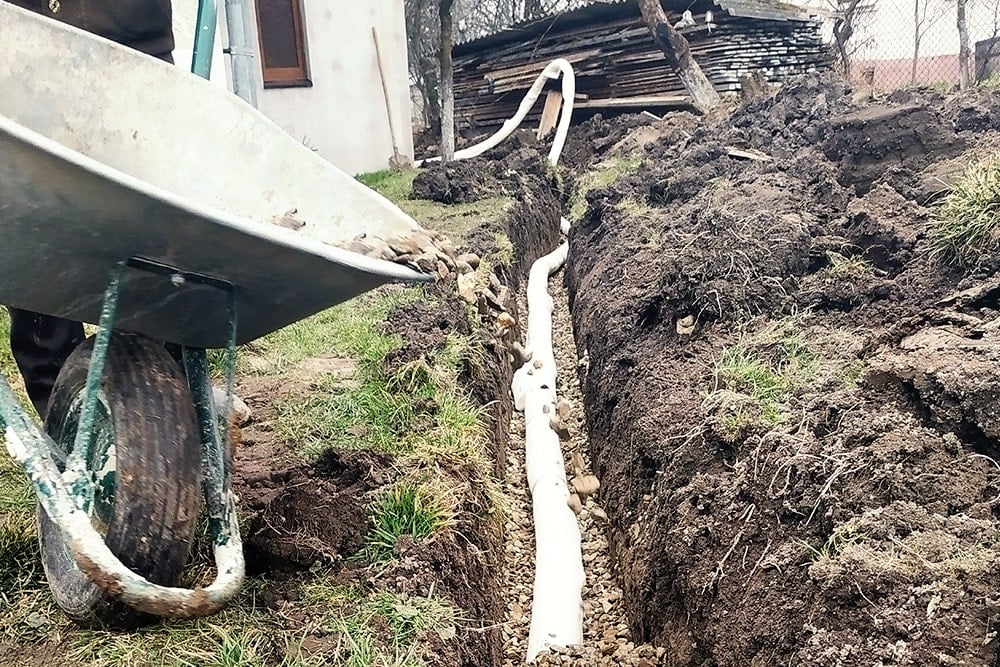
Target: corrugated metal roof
[
  {"x": 582, "y": 11},
  {"x": 765, "y": 9}
]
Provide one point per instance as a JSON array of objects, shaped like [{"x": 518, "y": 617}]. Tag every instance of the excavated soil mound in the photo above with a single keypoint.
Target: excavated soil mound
[{"x": 793, "y": 408}]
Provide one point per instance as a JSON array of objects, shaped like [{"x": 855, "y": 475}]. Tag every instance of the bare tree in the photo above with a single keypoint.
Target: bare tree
[
  {"x": 925, "y": 14},
  {"x": 447, "y": 81},
  {"x": 678, "y": 53},
  {"x": 422, "y": 40},
  {"x": 964, "y": 65},
  {"x": 849, "y": 15}
]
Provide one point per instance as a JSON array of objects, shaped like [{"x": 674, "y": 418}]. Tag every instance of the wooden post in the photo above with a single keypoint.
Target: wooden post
[
  {"x": 678, "y": 54},
  {"x": 550, "y": 113},
  {"x": 447, "y": 83},
  {"x": 964, "y": 66}
]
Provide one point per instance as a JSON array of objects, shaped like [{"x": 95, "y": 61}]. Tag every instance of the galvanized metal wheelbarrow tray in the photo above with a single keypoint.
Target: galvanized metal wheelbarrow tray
[{"x": 137, "y": 195}]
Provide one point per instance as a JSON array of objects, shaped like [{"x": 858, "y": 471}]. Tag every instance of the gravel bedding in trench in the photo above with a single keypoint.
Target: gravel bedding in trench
[{"x": 606, "y": 636}]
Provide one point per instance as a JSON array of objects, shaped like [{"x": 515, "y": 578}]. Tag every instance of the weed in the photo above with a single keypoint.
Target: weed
[
  {"x": 504, "y": 253},
  {"x": 407, "y": 509},
  {"x": 965, "y": 229},
  {"x": 848, "y": 267}
]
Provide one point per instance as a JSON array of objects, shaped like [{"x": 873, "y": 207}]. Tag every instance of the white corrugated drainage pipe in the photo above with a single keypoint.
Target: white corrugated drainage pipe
[
  {"x": 557, "y": 601},
  {"x": 552, "y": 71}
]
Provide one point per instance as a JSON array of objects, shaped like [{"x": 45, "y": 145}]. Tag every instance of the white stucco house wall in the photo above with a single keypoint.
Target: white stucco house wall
[{"x": 341, "y": 111}]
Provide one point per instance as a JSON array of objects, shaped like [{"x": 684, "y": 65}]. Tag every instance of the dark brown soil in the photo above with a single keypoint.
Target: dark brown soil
[
  {"x": 857, "y": 524},
  {"x": 302, "y": 515}
]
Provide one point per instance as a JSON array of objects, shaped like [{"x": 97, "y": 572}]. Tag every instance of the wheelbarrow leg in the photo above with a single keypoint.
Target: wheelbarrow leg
[{"x": 215, "y": 434}]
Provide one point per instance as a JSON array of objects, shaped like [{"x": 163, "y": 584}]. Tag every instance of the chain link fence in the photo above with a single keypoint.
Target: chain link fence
[{"x": 902, "y": 43}]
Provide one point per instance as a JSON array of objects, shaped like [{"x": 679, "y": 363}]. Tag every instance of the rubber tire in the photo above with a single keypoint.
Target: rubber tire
[{"x": 154, "y": 513}]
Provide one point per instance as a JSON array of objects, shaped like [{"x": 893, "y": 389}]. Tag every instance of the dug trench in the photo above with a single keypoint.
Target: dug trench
[
  {"x": 308, "y": 516},
  {"x": 790, "y": 399},
  {"x": 313, "y": 516}
]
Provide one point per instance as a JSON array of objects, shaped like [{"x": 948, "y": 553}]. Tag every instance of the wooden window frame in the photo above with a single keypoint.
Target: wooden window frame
[{"x": 286, "y": 77}]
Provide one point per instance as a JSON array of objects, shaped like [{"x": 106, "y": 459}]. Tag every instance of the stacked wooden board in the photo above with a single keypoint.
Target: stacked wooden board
[{"x": 617, "y": 64}]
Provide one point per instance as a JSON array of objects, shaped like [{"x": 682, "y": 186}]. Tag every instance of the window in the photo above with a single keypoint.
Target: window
[{"x": 282, "y": 43}]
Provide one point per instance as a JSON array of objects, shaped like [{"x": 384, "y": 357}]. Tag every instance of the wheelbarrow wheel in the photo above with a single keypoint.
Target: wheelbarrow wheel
[{"x": 146, "y": 460}]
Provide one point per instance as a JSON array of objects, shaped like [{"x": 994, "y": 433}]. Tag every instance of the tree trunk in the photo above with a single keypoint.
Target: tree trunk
[
  {"x": 843, "y": 30},
  {"x": 964, "y": 67},
  {"x": 447, "y": 83},
  {"x": 678, "y": 54},
  {"x": 916, "y": 40}
]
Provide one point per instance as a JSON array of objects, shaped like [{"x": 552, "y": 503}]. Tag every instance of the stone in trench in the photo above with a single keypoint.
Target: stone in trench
[{"x": 586, "y": 485}]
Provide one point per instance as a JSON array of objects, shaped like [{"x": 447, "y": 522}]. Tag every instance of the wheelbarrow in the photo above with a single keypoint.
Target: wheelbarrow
[{"x": 137, "y": 196}]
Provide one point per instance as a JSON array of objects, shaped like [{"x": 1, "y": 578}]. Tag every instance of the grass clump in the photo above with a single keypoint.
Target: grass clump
[
  {"x": 848, "y": 267},
  {"x": 416, "y": 409},
  {"x": 966, "y": 229},
  {"x": 408, "y": 509},
  {"x": 602, "y": 176},
  {"x": 767, "y": 367}
]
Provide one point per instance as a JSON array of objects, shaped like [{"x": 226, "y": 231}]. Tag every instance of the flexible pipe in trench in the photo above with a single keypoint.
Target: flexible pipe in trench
[{"x": 557, "y": 599}]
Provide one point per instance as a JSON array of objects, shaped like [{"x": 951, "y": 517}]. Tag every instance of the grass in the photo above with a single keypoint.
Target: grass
[
  {"x": 418, "y": 410},
  {"x": 768, "y": 367},
  {"x": 965, "y": 229},
  {"x": 348, "y": 330},
  {"x": 452, "y": 220},
  {"x": 339, "y": 626},
  {"x": 415, "y": 510},
  {"x": 991, "y": 83},
  {"x": 381, "y": 628},
  {"x": 601, "y": 176},
  {"x": 848, "y": 267},
  {"x": 839, "y": 540},
  {"x": 873, "y": 546}
]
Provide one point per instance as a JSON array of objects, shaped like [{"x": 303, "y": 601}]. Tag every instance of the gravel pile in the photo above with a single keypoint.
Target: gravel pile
[{"x": 607, "y": 640}]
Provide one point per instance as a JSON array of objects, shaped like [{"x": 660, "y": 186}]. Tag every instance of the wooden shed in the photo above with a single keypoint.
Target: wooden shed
[{"x": 620, "y": 68}]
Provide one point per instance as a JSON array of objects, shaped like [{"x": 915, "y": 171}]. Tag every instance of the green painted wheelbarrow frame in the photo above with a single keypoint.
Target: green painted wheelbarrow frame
[{"x": 68, "y": 496}]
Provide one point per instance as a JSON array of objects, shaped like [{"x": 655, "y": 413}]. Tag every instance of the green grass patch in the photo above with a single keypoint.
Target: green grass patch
[
  {"x": 769, "y": 367},
  {"x": 965, "y": 230},
  {"x": 452, "y": 220},
  {"x": 379, "y": 629},
  {"x": 414, "y": 510},
  {"x": 419, "y": 409},
  {"x": 602, "y": 176},
  {"x": 350, "y": 329}
]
